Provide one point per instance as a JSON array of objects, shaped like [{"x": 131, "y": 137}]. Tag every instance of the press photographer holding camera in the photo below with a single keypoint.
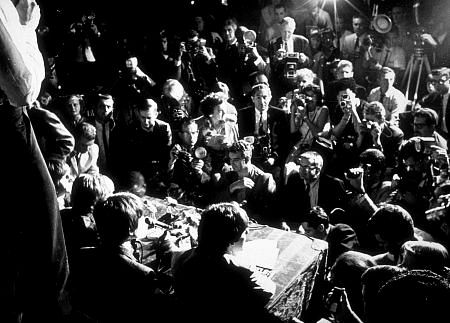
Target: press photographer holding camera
[
  {"x": 287, "y": 54},
  {"x": 308, "y": 118},
  {"x": 376, "y": 132}
]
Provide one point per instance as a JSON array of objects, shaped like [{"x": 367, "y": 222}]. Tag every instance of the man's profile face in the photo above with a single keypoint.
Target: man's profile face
[
  {"x": 261, "y": 99},
  {"x": 311, "y": 231},
  {"x": 147, "y": 118},
  {"x": 83, "y": 144},
  {"x": 189, "y": 135}
]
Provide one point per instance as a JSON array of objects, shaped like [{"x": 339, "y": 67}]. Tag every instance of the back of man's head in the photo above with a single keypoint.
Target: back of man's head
[
  {"x": 393, "y": 224},
  {"x": 415, "y": 296},
  {"x": 221, "y": 225}
]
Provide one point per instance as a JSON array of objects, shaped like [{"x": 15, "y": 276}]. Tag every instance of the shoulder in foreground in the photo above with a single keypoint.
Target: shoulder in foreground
[
  {"x": 276, "y": 109},
  {"x": 162, "y": 123}
]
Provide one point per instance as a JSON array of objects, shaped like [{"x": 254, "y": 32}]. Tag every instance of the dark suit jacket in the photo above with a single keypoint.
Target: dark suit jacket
[
  {"x": 434, "y": 101},
  {"x": 277, "y": 123},
  {"x": 294, "y": 202}
]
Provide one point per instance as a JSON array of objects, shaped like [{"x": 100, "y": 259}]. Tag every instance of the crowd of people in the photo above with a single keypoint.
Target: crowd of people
[{"x": 301, "y": 123}]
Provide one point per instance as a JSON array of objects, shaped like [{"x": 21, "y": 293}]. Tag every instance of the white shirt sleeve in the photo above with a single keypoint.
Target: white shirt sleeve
[{"x": 23, "y": 64}]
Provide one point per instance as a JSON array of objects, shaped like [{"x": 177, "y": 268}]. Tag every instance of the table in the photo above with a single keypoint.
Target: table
[{"x": 298, "y": 273}]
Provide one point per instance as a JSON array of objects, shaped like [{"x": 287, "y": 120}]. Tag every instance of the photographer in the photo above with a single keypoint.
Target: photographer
[
  {"x": 309, "y": 117},
  {"x": 376, "y": 132},
  {"x": 82, "y": 53},
  {"x": 189, "y": 166},
  {"x": 237, "y": 60},
  {"x": 326, "y": 53},
  {"x": 345, "y": 122},
  {"x": 425, "y": 122},
  {"x": 198, "y": 66},
  {"x": 287, "y": 54}
]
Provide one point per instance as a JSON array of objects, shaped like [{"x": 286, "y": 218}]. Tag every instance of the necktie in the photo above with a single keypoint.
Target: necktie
[
  {"x": 261, "y": 131},
  {"x": 382, "y": 96},
  {"x": 307, "y": 197},
  {"x": 105, "y": 137},
  {"x": 356, "y": 43}
]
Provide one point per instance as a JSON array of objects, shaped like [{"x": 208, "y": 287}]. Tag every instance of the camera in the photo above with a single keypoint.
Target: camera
[
  {"x": 423, "y": 144},
  {"x": 290, "y": 65},
  {"x": 367, "y": 125}
]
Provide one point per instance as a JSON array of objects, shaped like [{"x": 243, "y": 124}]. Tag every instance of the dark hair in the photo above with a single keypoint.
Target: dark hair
[
  {"x": 393, "y": 223},
  {"x": 145, "y": 104},
  {"x": 221, "y": 225},
  {"x": 85, "y": 130},
  {"x": 87, "y": 189},
  {"x": 372, "y": 280},
  {"x": 413, "y": 296},
  {"x": 430, "y": 116},
  {"x": 347, "y": 271},
  {"x": 209, "y": 102},
  {"x": 344, "y": 84},
  {"x": 317, "y": 216},
  {"x": 315, "y": 89},
  {"x": 244, "y": 147},
  {"x": 408, "y": 149},
  {"x": 117, "y": 216},
  {"x": 374, "y": 157}
]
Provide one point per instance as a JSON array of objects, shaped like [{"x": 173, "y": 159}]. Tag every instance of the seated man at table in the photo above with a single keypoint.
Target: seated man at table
[
  {"x": 209, "y": 281},
  {"x": 114, "y": 285},
  {"x": 247, "y": 184},
  {"x": 306, "y": 186},
  {"x": 340, "y": 236}
]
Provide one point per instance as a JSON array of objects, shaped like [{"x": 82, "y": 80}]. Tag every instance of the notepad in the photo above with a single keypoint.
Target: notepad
[{"x": 261, "y": 253}]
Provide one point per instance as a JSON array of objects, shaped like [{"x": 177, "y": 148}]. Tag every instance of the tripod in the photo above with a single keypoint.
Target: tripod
[{"x": 418, "y": 57}]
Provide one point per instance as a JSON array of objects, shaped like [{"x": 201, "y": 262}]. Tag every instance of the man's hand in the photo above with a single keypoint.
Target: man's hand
[
  {"x": 376, "y": 134},
  {"x": 302, "y": 59},
  {"x": 285, "y": 227},
  {"x": 355, "y": 177},
  {"x": 197, "y": 165},
  {"x": 242, "y": 183}
]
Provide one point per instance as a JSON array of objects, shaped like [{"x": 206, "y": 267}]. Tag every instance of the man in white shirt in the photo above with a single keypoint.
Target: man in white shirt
[{"x": 393, "y": 100}]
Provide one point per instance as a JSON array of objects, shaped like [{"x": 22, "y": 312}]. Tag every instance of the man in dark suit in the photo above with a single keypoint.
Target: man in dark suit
[
  {"x": 439, "y": 99},
  {"x": 305, "y": 188},
  {"x": 280, "y": 51},
  {"x": 268, "y": 125}
]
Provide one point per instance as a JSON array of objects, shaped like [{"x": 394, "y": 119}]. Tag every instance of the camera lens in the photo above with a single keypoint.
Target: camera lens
[{"x": 343, "y": 104}]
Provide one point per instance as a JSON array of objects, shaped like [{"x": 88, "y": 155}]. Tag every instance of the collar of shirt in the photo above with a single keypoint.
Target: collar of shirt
[{"x": 258, "y": 116}]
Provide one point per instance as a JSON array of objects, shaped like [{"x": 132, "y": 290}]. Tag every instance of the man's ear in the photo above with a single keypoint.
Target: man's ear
[{"x": 321, "y": 228}]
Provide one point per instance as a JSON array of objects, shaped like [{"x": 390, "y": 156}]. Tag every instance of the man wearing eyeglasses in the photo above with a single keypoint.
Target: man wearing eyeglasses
[
  {"x": 439, "y": 99},
  {"x": 306, "y": 187}
]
